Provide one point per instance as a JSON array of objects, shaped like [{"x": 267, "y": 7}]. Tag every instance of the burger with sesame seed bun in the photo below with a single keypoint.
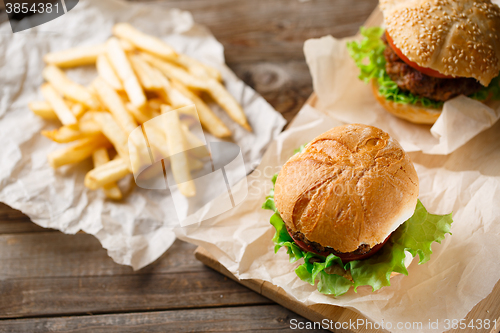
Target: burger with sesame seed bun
[
  {"x": 430, "y": 52},
  {"x": 346, "y": 207}
]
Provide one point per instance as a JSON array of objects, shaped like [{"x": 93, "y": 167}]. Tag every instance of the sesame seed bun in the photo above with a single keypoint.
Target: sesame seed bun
[
  {"x": 352, "y": 185},
  {"x": 414, "y": 113},
  {"x": 458, "y": 38}
]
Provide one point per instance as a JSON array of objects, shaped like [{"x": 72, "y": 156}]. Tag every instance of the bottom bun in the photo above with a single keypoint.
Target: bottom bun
[{"x": 414, "y": 113}]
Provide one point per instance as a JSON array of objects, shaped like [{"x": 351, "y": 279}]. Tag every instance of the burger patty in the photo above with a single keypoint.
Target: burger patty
[
  {"x": 362, "y": 249},
  {"x": 409, "y": 79}
]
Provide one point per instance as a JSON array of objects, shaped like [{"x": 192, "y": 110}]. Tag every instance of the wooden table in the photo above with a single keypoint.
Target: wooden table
[{"x": 54, "y": 282}]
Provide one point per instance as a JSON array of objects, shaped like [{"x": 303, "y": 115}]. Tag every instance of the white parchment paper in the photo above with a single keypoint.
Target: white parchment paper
[
  {"x": 137, "y": 230},
  {"x": 462, "y": 270}
]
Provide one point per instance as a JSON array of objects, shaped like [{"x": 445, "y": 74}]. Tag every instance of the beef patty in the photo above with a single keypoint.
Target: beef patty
[{"x": 409, "y": 79}]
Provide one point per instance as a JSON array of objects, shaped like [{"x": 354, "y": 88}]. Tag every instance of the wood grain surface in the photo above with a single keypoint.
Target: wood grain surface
[
  {"x": 266, "y": 318},
  {"x": 67, "y": 283}
]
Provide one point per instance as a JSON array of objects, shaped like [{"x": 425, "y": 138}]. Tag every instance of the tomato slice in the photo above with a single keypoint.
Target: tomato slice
[
  {"x": 345, "y": 257},
  {"x": 424, "y": 70}
]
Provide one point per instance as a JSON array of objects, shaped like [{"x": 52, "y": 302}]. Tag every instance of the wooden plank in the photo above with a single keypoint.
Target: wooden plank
[
  {"x": 54, "y": 274},
  {"x": 269, "y": 318},
  {"x": 54, "y": 254},
  {"x": 121, "y": 293},
  {"x": 285, "y": 85},
  {"x": 13, "y": 221}
]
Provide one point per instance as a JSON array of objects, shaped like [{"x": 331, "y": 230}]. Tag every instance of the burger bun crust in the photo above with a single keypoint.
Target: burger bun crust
[
  {"x": 352, "y": 185},
  {"x": 460, "y": 38}
]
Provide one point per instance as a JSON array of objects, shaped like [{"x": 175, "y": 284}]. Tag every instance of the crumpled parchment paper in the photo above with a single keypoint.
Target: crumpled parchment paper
[{"x": 137, "y": 230}]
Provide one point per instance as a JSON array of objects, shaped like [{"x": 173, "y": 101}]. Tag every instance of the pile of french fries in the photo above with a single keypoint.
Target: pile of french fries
[{"x": 139, "y": 78}]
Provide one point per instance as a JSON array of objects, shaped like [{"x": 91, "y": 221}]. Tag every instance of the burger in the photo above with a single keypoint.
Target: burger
[
  {"x": 430, "y": 52},
  {"x": 347, "y": 205}
]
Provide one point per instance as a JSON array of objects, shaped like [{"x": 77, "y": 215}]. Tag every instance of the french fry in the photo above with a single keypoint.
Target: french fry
[
  {"x": 208, "y": 119},
  {"x": 77, "y": 152},
  {"x": 159, "y": 147},
  {"x": 43, "y": 109},
  {"x": 107, "y": 173},
  {"x": 228, "y": 103},
  {"x": 60, "y": 108},
  {"x": 164, "y": 51},
  {"x": 141, "y": 116},
  {"x": 212, "y": 86},
  {"x": 71, "y": 90},
  {"x": 65, "y": 134},
  {"x": 88, "y": 125},
  {"x": 140, "y": 77},
  {"x": 147, "y": 76},
  {"x": 124, "y": 70},
  {"x": 175, "y": 72},
  {"x": 143, "y": 42},
  {"x": 79, "y": 56},
  {"x": 213, "y": 72},
  {"x": 197, "y": 68},
  {"x": 111, "y": 190},
  {"x": 156, "y": 137},
  {"x": 78, "y": 109},
  {"x": 178, "y": 158},
  {"x": 196, "y": 147},
  {"x": 113, "y": 102},
  {"x": 165, "y": 108},
  {"x": 195, "y": 164},
  {"x": 114, "y": 133},
  {"x": 171, "y": 95},
  {"x": 126, "y": 45},
  {"x": 93, "y": 92},
  {"x": 107, "y": 73},
  {"x": 140, "y": 156},
  {"x": 155, "y": 104}
]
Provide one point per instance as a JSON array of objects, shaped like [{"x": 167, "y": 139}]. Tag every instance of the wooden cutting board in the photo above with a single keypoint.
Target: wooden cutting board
[{"x": 488, "y": 308}]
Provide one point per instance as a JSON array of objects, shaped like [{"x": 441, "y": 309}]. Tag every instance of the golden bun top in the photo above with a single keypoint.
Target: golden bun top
[
  {"x": 350, "y": 186},
  {"x": 459, "y": 38}
]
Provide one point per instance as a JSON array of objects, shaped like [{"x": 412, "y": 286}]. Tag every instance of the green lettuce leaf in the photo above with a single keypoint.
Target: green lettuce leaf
[
  {"x": 368, "y": 55},
  {"x": 269, "y": 203},
  {"x": 415, "y": 236},
  {"x": 492, "y": 91},
  {"x": 298, "y": 150}
]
